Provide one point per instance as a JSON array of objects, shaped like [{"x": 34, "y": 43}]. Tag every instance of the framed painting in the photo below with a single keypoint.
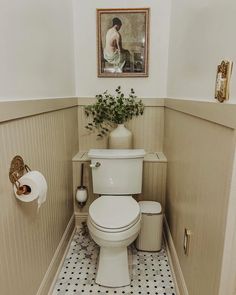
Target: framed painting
[{"x": 122, "y": 42}]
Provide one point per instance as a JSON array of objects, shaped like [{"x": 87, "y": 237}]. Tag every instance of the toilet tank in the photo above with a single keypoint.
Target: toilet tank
[{"x": 117, "y": 172}]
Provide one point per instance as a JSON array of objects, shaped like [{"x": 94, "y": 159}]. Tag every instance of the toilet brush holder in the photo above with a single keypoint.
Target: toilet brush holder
[
  {"x": 81, "y": 192},
  {"x": 81, "y": 195}
]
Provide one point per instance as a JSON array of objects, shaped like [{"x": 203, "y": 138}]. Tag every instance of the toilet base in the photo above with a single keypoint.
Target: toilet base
[{"x": 113, "y": 269}]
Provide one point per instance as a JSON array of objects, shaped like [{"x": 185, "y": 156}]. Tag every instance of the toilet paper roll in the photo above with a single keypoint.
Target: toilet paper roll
[{"x": 38, "y": 187}]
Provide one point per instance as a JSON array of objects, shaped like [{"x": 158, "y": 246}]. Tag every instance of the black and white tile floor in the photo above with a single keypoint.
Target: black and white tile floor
[{"x": 151, "y": 272}]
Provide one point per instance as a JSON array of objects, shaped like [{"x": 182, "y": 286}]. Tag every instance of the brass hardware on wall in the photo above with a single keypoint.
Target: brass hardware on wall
[
  {"x": 224, "y": 71},
  {"x": 17, "y": 170},
  {"x": 187, "y": 238}
]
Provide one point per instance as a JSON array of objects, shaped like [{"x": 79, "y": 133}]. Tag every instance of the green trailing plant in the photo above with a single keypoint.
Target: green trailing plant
[{"x": 110, "y": 110}]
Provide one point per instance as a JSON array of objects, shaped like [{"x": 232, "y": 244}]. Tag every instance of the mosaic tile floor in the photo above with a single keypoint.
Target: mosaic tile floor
[{"x": 150, "y": 271}]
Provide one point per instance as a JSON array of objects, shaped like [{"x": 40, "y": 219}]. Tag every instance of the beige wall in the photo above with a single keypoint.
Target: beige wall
[
  {"x": 228, "y": 271},
  {"x": 199, "y": 147},
  {"x": 47, "y": 142}
]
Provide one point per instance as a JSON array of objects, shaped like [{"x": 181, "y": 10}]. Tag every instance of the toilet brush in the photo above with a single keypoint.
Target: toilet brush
[{"x": 81, "y": 192}]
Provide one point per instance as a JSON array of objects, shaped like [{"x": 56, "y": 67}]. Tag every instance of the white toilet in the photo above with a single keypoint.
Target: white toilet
[{"x": 114, "y": 217}]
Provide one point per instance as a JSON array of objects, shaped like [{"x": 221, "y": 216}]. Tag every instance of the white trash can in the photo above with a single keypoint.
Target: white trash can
[{"x": 150, "y": 236}]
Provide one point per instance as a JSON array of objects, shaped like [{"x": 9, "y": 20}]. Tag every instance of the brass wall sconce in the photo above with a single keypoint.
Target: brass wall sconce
[{"x": 224, "y": 71}]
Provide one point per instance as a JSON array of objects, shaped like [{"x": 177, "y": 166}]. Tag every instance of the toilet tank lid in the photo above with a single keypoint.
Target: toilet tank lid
[{"x": 116, "y": 153}]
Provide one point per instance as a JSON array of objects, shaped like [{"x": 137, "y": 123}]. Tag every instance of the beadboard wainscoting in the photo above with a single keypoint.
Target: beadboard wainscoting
[
  {"x": 154, "y": 178},
  {"x": 198, "y": 139},
  {"x": 148, "y": 130},
  {"x": 44, "y": 133},
  {"x": 200, "y": 148}
]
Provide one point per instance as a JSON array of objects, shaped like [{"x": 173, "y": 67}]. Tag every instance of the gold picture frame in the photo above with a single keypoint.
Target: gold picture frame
[{"x": 123, "y": 42}]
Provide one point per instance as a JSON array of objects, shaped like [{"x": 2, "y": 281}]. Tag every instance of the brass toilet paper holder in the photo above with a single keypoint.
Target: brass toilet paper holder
[{"x": 17, "y": 170}]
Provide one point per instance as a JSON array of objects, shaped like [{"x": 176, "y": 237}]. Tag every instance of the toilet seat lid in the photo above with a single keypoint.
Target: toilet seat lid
[{"x": 114, "y": 212}]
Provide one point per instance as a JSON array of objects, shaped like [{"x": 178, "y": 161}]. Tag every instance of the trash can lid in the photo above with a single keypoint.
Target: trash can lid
[{"x": 150, "y": 207}]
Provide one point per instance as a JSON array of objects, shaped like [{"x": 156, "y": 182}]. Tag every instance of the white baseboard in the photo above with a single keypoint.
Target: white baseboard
[
  {"x": 181, "y": 288},
  {"x": 80, "y": 218},
  {"x": 54, "y": 268}
]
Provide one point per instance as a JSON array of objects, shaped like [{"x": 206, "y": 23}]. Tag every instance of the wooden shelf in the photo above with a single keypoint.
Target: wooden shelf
[{"x": 149, "y": 157}]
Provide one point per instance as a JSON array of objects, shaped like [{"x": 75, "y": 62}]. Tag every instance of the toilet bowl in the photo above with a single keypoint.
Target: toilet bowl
[
  {"x": 114, "y": 223},
  {"x": 114, "y": 217}
]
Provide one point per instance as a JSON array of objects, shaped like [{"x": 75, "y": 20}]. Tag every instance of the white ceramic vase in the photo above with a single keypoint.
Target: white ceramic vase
[{"x": 120, "y": 138}]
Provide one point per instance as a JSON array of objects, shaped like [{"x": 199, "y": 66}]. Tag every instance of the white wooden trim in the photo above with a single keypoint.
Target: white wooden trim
[
  {"x": 223, "y": 114},
  {"x": 174, "y": 262},
  {"x": 171, "y": 265},
  {"x": 79, "y": 218},
  {"x": 11, "y": 110},
  {"x": 57, "y": 261},
  {"x": 148, "y": 102}
]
